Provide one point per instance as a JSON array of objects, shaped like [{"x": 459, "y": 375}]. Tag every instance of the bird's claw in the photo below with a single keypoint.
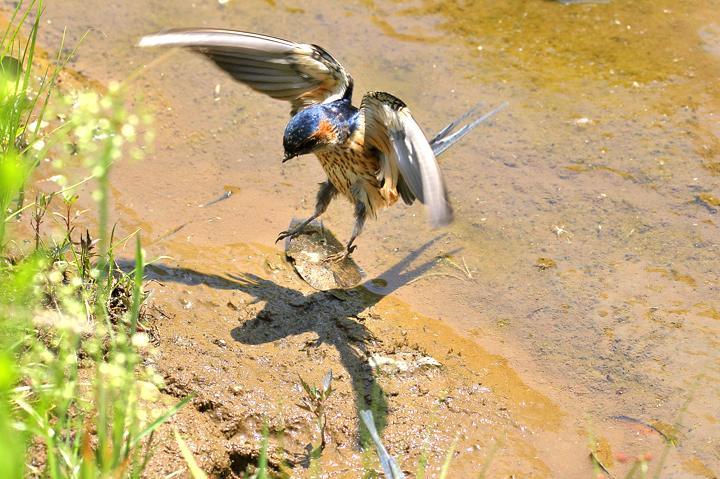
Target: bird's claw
[
  {"x": 337, "y": 257},
  {"x": 292, "y": 234},
  {"x": 341, "y": 256}
]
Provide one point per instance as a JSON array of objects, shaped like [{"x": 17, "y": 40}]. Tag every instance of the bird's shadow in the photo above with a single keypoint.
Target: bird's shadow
[{"x": 334, "y": 317}]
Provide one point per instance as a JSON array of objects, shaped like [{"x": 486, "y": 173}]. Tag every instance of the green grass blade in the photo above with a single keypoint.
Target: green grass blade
[
  {"x": 10, "y": 40},
  {"x": 448, "y": 459},
  {"x": 159, "y": 421},
  {"x": 3, "y": 45},
  {"x": 262, "y": 472},
  {"x": 422, "y": 465},
  {"x": 195, "y": 470},
  {"x": 137, "y": 287},
  {"x": 488, "y": 461}
]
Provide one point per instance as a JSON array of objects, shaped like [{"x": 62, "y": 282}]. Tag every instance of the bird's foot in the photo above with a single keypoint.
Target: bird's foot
[
  {"x": 291, "y": 233},
  {"x": 341, "y": 256}
]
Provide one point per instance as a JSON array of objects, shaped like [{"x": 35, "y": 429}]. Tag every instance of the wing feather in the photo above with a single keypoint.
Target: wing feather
[
  {"x": 300, "y": 73},
  {"x": 407, "y": 160}
]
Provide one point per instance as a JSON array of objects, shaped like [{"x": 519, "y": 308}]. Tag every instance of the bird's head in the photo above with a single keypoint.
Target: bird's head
[{"x": 308, "y": 131}]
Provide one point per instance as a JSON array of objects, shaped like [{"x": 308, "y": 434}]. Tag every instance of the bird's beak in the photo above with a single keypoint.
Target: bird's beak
[{"x": 288, "y": 156}]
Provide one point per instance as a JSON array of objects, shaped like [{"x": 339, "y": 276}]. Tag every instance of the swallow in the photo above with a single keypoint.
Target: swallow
[{"x": 372, "y": 155}]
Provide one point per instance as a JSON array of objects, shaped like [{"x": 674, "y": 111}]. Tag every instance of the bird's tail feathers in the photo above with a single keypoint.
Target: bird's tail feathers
[{"x": 447, "y": 137}]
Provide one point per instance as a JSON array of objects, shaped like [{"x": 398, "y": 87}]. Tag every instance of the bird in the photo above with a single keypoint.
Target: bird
[{"x": 372, "y": 155}]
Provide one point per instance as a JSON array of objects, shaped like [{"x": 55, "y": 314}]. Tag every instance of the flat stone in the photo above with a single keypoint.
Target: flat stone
[{"x": 307, "y": 254}]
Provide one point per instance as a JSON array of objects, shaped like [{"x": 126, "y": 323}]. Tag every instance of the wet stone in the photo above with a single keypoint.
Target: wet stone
[
  {"x": 712, "y": 203},
  {"x": 402, "y": 362},
  {"x": 308, "y": 254},
  {"x": 543, "y": 263},
  {"x": 183, "y": 342}
]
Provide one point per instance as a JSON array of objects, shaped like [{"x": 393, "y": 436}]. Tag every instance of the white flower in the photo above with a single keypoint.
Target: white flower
[
  {"x": 140, "y": 340},
  {"x": 33, "y": 127}
]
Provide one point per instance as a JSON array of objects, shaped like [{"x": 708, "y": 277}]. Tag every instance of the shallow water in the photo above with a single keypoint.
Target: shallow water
[{"x": 587, "y": 214}]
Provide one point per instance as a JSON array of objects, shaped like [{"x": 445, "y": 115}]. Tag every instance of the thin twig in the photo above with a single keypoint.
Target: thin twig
[{"x": 427, "y": 275}]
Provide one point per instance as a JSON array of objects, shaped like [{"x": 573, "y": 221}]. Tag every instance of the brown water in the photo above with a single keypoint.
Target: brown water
[{"x": 587, "y": 212}]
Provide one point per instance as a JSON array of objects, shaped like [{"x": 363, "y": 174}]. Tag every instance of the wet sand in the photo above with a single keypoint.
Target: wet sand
[{"x": 586, "y": 216}]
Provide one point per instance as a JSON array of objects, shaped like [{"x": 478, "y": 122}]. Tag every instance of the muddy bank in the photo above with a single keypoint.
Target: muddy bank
[{"x": 240, "y": 337}]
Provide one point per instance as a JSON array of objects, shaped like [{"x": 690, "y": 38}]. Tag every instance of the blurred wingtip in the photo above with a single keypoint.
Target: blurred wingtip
[
  {"x": 443, "y": 217},
  {"x": 166, "y": 37},
  {"x": 448, "y": 136},
  {"x": 148, "y": 41}
]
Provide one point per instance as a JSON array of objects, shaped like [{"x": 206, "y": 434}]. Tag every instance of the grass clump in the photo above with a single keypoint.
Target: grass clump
[
  {"x": 76, "y": 396},
  {"x": 314, "y": 403}
]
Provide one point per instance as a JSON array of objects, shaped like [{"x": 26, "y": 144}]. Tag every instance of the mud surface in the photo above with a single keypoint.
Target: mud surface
[
  {"x": 240, "y": 341},
  {"x": 582, "y": 281}
]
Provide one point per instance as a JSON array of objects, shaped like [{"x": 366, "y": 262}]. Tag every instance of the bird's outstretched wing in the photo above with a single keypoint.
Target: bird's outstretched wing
[
  {"x": 407, "y": 160},
  {"x": 296, "y": 72}
]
